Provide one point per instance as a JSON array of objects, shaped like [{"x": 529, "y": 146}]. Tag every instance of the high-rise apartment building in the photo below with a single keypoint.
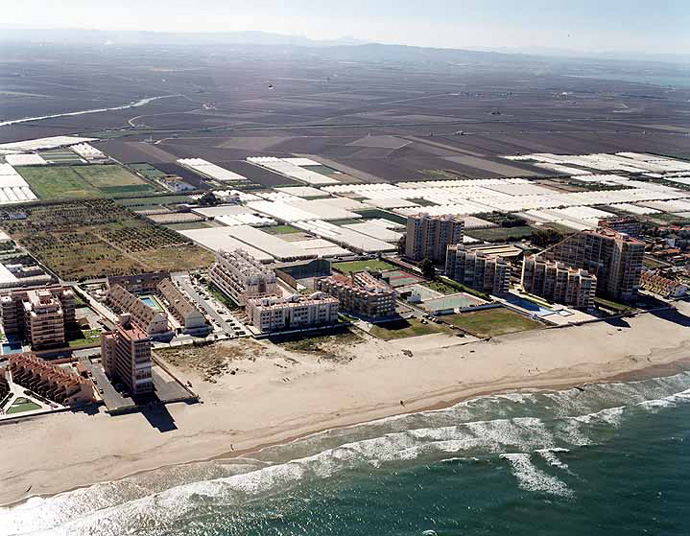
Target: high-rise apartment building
[
  {"x": 239, "y": 276},
  {"x": 614, "y": 258},
  {"x": 429, "y": 236},
  {"x": 361, "y": 294},
  {"x": 559, "y": 283},
  {"x": 126, "y": 354},
  {"x": 40, "y": 315},
  {"x": 478, "y": 270}
]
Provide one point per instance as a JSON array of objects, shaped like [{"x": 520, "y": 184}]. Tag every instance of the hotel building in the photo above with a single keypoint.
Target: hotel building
[
  {"x": 429, "y": 236},
  {"x": 126, "y": 354}
]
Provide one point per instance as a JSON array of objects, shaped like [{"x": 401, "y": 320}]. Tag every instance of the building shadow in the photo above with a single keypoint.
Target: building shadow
[
  {"x": 672, "y": 315},
  {"x": 159, "y": 417},
  {"x": 617, "y": 322}
]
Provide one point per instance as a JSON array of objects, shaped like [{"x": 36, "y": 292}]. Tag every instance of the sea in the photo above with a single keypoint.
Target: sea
[{"x": 603, "y": 459}]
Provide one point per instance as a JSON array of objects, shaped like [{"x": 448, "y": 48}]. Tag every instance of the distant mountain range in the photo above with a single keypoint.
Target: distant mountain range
[
  {"x": 105, "y": 37},
  {"x": 344, "y": 48}
]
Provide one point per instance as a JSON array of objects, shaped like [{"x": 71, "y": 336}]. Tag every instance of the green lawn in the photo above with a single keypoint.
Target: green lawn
[
  {"x": 501, "y": 234},
  {"x": 613, "y": 305},
  {"x": 281, "y": 229},
  {"x": 448, "y": 286},
  {"x": 84, "y": 338},
  {"x": 78, "y": 182},
  {"x": 492, "y": 322},
  {"x": 400, "y": 329},
  {"x": 21, "y": 405},
  {"x": 357, "y": 266}
]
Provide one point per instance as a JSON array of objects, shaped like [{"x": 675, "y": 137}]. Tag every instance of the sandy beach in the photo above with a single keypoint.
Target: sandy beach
[{"x": 277, "y": 395}]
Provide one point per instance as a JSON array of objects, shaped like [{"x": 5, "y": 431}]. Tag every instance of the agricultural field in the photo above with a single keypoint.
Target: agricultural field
[
  {"x": 98, "y": 238},
  {"x": 148, "y": 171},
  {"x": 492, "y": 322},
  {"x": 79, "y": 182}
]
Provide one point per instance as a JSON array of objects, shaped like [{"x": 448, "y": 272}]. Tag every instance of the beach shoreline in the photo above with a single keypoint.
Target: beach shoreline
[{"x": 318, "y": 397}]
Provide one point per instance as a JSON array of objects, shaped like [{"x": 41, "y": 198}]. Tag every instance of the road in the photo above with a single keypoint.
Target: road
[{"x": 183, "y": 281}]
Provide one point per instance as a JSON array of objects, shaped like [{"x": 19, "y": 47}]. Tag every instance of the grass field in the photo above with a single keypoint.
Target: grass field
[
  {"x": 401, "y": 329},
  {"x": 84, "y": 338},
  {"x": 148, "y": 171},
  {"x": 369, "y": 264},
  {"x": 281, "y": 229},
  {"x": 21, "y": 405},
  {"x": 78, "y": 182},
  {"x": 448, "y": 286},
  {"x": 492, "y": 322},
  {"x": 501, "y": 234},
  {"x": 154, "y": 200}
]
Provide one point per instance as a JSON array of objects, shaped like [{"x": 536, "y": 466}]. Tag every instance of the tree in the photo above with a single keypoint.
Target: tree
[
  {"x": 428, "y": 269},
  {"x": 543, "y": 238},
  {"x": 209, "y": 200},
  {"x": 401, "y": 244}
]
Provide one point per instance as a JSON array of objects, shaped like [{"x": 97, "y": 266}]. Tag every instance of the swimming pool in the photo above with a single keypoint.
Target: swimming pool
[{"x": 148, "y": 300}]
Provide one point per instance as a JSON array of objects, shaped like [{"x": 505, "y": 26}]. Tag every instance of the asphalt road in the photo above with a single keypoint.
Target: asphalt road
[{"x": 186, "y": 286}]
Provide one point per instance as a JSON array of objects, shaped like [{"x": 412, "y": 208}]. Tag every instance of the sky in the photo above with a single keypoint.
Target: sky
[{"x": 652, "y": 26}]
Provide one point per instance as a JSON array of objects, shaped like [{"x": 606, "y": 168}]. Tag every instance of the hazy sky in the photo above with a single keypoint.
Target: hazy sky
[{"x": 590, "y": 25}]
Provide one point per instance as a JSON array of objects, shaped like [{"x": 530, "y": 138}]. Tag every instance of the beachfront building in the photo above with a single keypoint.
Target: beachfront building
[
  {"x": 239, "y": 276},
  {"x": 53, "y": 382},
  {"x": 191, "y": 319},
  {"x": 558, "y": 283},
  {"x": 614, "y": 258},
  {"x": 152, "y": 321},
  {"x": 40, "y": 315},
  {"x": 662, "y": 286},
  {"x": 271, "y": 313},
  {"x": 477, "y": 270},
  {"x": 429, "y": 236},
  {"x": 126, "y": 355},
  {"x": 361, "y": 294}
]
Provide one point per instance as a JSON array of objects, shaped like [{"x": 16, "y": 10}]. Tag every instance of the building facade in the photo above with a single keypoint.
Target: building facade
[
  {"x": 429, "y": 236},
  {"x": 478, "y": 270},
  {"x": 559, "y": 283},
  {"x": 662, "y": 286},
  {"x": 40, "y": 316},
  {"x": 152, "y": 321},
  {"x": 240, "y": 277},
  {"x": 271, "y": 314},
  {"x": 614, "y": 258},
  {"x": 139, "y": 283},
  {"x": 50, "y": 381},
  {"x": 361, "y": 294},
  {"x": 629, "y": 226},
  {"x": 192, "y": 320},
  {"x": 126, "y": 355}
]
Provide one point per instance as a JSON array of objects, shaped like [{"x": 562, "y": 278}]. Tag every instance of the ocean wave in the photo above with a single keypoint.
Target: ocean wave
[
  {"x": 531, "y": 478},
  {"x": 159, "y": 498}
]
